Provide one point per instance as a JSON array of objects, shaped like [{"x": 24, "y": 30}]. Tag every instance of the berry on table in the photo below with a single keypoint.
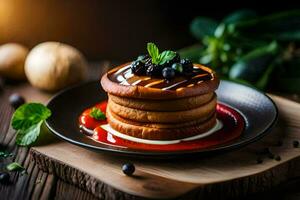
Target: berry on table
[
  {"x": 295, "y": 143},
  {"x": 128, "y": 169},
  {"x": 259, "y": 160},
  {"x": 4, "y": 177},
  {"x": 16, "y": 100},
  {"x": 277, "y": 158}
]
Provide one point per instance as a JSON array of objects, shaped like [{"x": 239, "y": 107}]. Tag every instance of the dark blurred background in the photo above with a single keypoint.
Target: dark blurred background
[{"x": 115, "y": 29}]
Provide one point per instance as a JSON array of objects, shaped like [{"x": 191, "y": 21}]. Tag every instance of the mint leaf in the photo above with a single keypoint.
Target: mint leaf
[
  {"x": 27, "y": 120},
  {"x": 15, "y": 167},
  {"x": 153, "y": 52},
  {"x": 29, "y": 114},
  {"x": 157, "y": 58},
  {"x": 28, "y": 136},
  {"x": 97, "y": 114},
  {"x": 166, "y": 56}
]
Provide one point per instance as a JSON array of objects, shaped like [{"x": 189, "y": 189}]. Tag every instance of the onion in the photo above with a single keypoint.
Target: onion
[
  {"x": 12, "y": 58},
  {"x": 52, "y": 66}
]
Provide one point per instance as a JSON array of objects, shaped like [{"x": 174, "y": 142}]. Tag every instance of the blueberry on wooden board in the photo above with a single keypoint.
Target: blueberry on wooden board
[
  {"x": 128, "y": 169},
  {"x": 16, "y": 100},
  {"x": 4, "y": 177},
  {"x": 295, "y": 143},
  {"x": 278, "y": 158},
  {"x": 259, "y": 160}
]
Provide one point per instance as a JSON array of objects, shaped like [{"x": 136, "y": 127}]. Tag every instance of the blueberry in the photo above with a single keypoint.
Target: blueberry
[
  {"x": 187, "y": 65},
  {"x": 154, "y": 70},
  {"x": 16, "y": 100},
  {"x": 277, "y": 158},
  {"x": 138, "y": 67},
  {"x": 4, "y": 177},
  {"x": 128, "y": 169},
  {"x": 259, "y": 160},
  {"x": 168, "y": 73},
  {"x": 295, "y": 143},
  {"x": 177, "y": 67}
]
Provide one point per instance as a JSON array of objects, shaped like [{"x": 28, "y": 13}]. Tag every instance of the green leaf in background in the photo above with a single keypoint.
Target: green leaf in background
[
  {"x": 270, "y": 26},
  {"x": 289, "y": 84},
  {"x": 15, "y": 167},
  {"x": 253, "y": 65},
  {"x": 220, "y": 30},
  {"x": 286, "y": 36},
  {"x": 264, "y": 79},
  {"x": 192, "y": 52},
  {"x": 29, "y": 114},
  {"x": 239, "y": 15},
  {"x": 202, "y": 27},
  {"x": 153, "y": 51}
]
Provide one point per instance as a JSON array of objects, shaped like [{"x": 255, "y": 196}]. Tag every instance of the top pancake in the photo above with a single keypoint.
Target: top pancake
[{"x": 120, "y": 81}]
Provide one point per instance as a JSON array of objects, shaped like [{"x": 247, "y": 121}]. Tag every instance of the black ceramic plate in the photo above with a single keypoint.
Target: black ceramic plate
[{"x": 258, "y": 110}]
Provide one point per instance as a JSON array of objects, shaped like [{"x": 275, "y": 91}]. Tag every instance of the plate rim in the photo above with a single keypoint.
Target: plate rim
[{"x": 139, "y": 153}]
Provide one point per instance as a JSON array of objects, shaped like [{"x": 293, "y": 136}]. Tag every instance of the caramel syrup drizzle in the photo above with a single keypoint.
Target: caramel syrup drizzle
[{"x": 124, "y": 76}]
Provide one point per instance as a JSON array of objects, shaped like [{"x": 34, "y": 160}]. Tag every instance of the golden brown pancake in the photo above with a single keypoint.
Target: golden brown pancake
[
  {"x": 143, "y": 131},
  {"x": 163, "y": 105},
  {"x": 164, "y": 116}
]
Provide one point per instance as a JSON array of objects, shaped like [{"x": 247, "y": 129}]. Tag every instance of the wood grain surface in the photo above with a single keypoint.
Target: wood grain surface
[
  {"x": 71, "y": 172},
  {"x": 235, "y": 174}
]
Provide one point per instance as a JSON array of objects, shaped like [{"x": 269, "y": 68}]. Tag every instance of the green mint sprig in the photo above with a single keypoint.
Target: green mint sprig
[
  {"x": 27, "y": 121},
  {"x": 159, "y": 58},
  {"x": 97, "y": 114}
]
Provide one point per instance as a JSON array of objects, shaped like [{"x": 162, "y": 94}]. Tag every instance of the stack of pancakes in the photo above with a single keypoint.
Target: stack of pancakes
[{"x": 157, "y": 109}]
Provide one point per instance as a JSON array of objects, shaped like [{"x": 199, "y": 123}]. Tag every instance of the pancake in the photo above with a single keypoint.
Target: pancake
[
  {"x": 163, "y": 105},
  {"x": 121, "y": 82},
  {"x": 144, "y": 131},
  {"x": 164, "y": 116}
]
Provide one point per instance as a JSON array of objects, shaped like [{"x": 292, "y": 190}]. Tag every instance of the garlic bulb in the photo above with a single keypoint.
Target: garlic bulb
[
  {"x": 52, "y": 66},
  {"x": 12, "y": 59}
]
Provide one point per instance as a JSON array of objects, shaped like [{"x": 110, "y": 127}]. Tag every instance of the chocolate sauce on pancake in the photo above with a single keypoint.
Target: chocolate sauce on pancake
[{"x": 124, "y": 76}]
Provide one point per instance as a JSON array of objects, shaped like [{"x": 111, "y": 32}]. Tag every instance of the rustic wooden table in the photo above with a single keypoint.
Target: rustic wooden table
[{"x": 40, "y": 185}]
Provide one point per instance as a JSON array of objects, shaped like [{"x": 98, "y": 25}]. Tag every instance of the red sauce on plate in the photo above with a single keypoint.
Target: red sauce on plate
[{"x": 233, "y": 126}]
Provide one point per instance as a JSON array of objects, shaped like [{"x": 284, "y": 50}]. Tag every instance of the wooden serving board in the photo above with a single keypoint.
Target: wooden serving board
[{"x": 217, "y": 177}]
